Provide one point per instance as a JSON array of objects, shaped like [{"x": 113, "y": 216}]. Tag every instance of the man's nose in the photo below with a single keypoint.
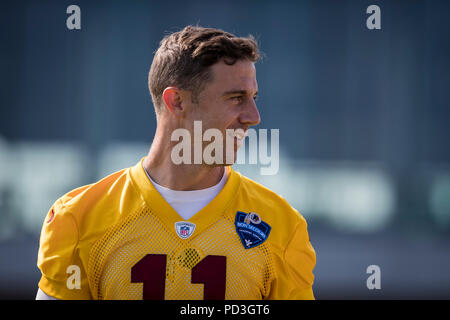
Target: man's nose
[{"x": 251, "y": 116}]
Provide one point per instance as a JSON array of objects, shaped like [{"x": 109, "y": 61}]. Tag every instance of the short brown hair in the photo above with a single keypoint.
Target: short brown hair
[{"x": 184, "y": 57}]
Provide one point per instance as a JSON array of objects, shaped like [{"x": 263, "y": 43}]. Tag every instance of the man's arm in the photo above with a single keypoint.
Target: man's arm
[
  {"x": 295, "y": 268},
  {"x": 58, "y": 250}
]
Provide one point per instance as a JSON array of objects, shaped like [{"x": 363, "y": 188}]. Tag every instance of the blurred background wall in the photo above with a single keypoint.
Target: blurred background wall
[{"x": 363, "y": 118}]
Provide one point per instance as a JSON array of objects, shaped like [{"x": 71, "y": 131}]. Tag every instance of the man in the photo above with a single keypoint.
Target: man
[{"x": 191, "y": 230}]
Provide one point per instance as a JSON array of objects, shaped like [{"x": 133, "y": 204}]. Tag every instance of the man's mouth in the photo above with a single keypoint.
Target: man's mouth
[{"x": 239, "y": 134}]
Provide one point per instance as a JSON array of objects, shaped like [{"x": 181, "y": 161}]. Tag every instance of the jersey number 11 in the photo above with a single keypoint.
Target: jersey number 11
[{"x": 151, "y": 271}]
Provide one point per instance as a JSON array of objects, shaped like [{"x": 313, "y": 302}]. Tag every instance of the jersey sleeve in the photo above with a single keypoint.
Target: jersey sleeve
[
  {"x": 63, "y": 276},
  {"x": 294, "y": 268}
]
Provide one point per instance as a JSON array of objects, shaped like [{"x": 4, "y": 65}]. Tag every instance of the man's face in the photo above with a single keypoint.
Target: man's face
[{"x": 228, "y": 100}]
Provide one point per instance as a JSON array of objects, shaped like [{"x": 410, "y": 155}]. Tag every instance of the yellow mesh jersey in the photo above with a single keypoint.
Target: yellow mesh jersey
[{"x": 121, "y": 234}]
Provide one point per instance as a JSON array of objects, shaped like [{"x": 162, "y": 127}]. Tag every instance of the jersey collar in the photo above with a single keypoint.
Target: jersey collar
[{"x": 202, "y": 219}]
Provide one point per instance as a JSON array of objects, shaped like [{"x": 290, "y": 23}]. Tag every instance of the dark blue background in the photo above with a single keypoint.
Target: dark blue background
[{"x": 336, "y": 90}]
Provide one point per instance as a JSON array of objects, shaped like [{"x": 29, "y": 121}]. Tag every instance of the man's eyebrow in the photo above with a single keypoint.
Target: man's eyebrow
[{"x": 244, "y": 92}]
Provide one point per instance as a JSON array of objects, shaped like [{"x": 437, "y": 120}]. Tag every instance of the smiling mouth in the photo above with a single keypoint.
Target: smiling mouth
[{"x": 238, "y": 136}]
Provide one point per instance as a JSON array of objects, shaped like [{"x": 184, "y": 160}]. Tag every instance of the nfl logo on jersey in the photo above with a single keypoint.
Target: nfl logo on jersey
[{"x": 184, "y": 229}]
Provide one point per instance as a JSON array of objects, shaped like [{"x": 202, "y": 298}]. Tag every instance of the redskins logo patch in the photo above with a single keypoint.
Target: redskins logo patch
[{"x": 251, "y": 229}]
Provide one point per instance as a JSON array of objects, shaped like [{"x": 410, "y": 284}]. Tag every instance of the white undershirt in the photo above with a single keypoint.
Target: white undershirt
[{"x": 188, "y": 203}]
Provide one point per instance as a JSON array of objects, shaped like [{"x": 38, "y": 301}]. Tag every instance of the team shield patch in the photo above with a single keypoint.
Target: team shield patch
[
  {"x": 184, "y": 229},
  {"x": 251, "y": 229}
]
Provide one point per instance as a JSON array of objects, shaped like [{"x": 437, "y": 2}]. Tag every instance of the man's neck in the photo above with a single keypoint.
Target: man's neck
[{"x": 185, "y": 177}]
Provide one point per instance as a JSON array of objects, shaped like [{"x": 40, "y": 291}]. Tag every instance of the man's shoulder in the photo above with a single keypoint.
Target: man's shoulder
[
  {"x": 74, "y": 223},
  {"x": 90, "y": 194},
  {"x": 99, "y": 203},
  {"x": 272, "y": 207}
]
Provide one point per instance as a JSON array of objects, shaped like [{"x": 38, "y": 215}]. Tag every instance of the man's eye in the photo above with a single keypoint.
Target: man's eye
[
  {"x": 238, "y": 99},
  {"x": 255, "y": 98}
]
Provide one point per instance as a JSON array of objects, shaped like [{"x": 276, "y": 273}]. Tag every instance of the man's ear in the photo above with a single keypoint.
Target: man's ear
[{"x": 173, "y": 99}]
